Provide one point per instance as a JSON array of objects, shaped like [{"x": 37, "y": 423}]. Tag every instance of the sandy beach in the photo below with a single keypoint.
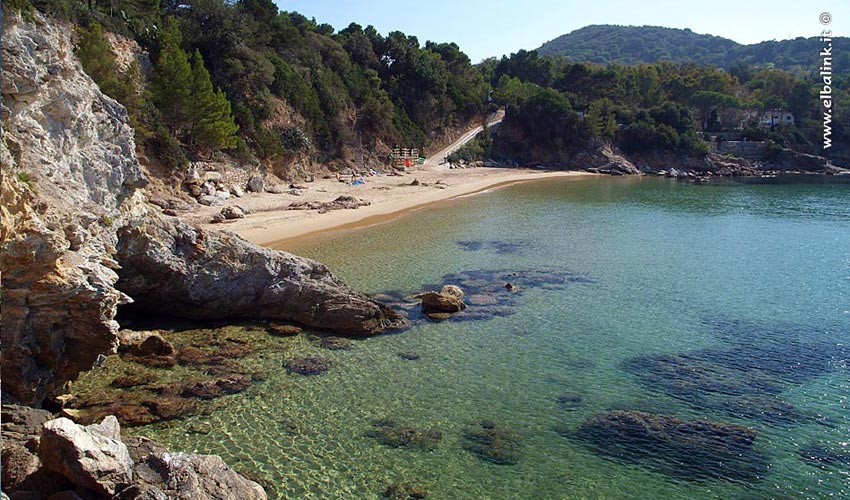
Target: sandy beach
[{"x": 271, "y": 224}]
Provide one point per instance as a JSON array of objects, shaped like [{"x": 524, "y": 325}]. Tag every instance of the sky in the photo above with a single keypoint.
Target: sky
[{"x": 493, "y": 28}]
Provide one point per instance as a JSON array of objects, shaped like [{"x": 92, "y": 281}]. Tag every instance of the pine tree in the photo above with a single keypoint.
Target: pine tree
[
  {"x": 171, "y": 90},
  {"x": 211, "y": 124},
  {"x": 601, "y": 119},
  {"x": 98, "y": 60}
]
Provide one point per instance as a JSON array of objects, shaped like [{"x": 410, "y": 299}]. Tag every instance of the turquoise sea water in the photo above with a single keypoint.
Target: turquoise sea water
[{"x": 744, "y": 288}]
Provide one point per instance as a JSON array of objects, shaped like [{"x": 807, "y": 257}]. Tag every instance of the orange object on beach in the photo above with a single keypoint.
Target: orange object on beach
[{"x": 407, "y": 163}]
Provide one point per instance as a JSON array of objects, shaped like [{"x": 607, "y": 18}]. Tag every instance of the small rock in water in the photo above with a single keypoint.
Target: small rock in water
[
  {"x": 213, "y": 388},
  {"x": 409, "y": 355}
]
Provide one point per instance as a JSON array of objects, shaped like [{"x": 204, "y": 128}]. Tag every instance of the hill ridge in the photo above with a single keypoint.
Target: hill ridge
[{"x": 630, "y": 44}]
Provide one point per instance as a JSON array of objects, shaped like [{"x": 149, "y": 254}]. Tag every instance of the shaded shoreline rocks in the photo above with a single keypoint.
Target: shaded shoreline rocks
[
  {"x": 696, "y": 449},
  {"x": 64, "y": 460}
]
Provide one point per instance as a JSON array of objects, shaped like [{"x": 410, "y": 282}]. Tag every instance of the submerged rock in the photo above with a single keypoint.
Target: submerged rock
[
  {"x": 569, "y": 401},
  {"x": 390, "y": 433},
  {"x": 216, "y": 387},
  {"x": 743, "y": 381},
  {"x": 409, "y": 355},
  {"x": 133, "y": 380},
  {"x": 498, "y": 246},
  {"x": 336, "y": 343},
  {"x": 153, "y": 345},
  {"x": 493, "y": 443},
  {"x": 824, "y": 456},
  {"x": 283, "y": 330},
  {"x": 308, "y": 365},
  {"x": 484, "y": 291},
  {"x": 695, "y": 449}
]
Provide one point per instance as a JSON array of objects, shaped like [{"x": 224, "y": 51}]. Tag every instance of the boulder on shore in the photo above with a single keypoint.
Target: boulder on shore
[{"x": 255, "y": 184}]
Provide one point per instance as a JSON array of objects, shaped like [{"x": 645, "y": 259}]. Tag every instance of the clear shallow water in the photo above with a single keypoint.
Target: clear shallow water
[{"x": 751, "y": 281}]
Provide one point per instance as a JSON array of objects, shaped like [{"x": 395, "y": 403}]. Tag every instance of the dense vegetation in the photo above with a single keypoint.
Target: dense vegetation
[
  {"x": 646, "y": 108},
  {"x": 648, "y": 44},
  {"x": 274, "y": 86},
  {"x": 270, "y": 85}
]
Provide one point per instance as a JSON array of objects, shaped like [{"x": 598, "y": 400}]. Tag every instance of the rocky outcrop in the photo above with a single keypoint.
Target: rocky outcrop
[
  {"x": 175, "y": 269},
  {"x": 73, "y": 214},
  {"x": 605, "y": 160},
  {"x": 63, "y": 459},
  {"x": 788, "y": 160},
  {"x": 70, "y": 176}
]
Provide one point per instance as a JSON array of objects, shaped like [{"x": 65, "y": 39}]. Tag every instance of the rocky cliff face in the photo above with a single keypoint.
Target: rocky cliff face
[
  {"x": 70, "y": 177},
  {"x": 71, "y": 197}
]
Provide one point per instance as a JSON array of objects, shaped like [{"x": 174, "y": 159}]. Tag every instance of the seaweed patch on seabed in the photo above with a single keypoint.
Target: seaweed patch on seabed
[
  {"x": 744, "y": 381},
  {"x": 693, "y": 450},
  {"x": 487, "y": 293},
  {"x": 499, "y": 246}
]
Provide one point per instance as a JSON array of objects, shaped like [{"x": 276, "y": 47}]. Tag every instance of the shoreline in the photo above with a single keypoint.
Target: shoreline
[{"x": 271, "y": 225}]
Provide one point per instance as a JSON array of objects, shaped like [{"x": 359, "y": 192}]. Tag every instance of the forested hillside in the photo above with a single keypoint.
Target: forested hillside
[
  {"x": 556, "y": 108},
  {"x": 267, "y": 86},
  {"x": 648, "y": 44}
]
